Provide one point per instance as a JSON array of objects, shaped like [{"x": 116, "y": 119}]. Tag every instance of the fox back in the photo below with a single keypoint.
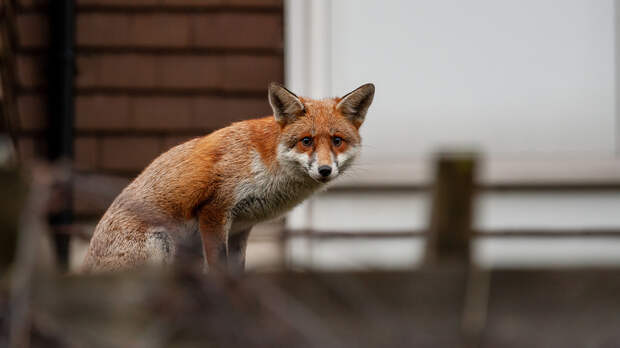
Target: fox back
[{"x": 200, "y": 199}]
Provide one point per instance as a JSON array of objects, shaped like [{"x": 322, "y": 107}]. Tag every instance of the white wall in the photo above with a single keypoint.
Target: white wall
[
  {"x": 530, "y": 80},
  {"x": 519, "y": 77}
]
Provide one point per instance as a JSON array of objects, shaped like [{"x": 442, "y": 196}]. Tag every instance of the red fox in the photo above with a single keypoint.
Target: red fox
[{"x": 210, "y": 191}]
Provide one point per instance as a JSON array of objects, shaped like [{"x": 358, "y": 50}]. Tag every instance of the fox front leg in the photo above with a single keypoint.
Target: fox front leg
[
  {"x": 214, "y": 234},
  {"x": 237, "y": 243}
]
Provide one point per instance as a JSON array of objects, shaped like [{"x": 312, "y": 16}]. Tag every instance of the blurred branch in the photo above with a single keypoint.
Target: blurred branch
[{"x": 31, "y": 227}]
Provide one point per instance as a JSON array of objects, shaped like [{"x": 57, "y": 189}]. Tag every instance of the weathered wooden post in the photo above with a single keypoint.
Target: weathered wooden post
[
  {"x": 450, "y": 227},
  {"x": 12, "y": 197},
  {"x": 450, "y": 233}
]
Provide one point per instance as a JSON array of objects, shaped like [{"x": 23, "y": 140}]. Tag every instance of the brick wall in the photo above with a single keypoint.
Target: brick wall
[{"x": 149, "y": 75}]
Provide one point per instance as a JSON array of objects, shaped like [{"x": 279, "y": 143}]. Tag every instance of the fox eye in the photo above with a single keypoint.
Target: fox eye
[
  {"x": 337, "y": 141},
  {"x": 306, "y": 141}
]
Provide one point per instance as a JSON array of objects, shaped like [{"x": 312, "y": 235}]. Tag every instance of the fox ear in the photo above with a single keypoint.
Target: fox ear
[
  {"x": 286, "y": 105},
  {"x": 355, "y": 104}
]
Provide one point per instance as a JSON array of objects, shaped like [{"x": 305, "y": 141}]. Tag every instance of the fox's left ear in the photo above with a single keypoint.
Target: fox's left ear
[
  {"x": 355, "y": 104},
  {"x": 285, "y": 104}
]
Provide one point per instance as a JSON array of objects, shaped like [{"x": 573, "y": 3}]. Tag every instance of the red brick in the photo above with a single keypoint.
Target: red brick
[
  {"x": 32, "y": 30},
  {"x": 193, "y": 2},
  {"x": 93, "y": 194},
  {"x": 202, "y": 3},
  {"x": 128, "y": 70},
  {"x": 183, "y": 3},
  {"x": 244, "y": 3},
  {"x": 32, "y": 112},
  {"x": 139, "y": 71},
  {"x": 128, "y": 153},
  {"x": 85, "y": 153},
  {"x": 190, "y": 71},
  {"x": 215, "y": 113},
  {"x": 238, "y": 30},
  {"x": 253, "y": 73},
  {"x": 162, "y": 113},
  {"x": 102, "y": 29},
  {"x": 27, "y": 149},
  {"x": 197, "y": 3},
  {"x": 209, "y": 113},
  {"x": 88, "y": 71},
  {"x": 131, "y": 70},
  {"x": 160, "y": 30},
  {"x": 137, "y": 30},
  {"x": 102, "y": 112},
  {"x": 118, "y": 2},
  {"x": 172, "y": 141},
  {"x": 89, "y": 204},
  {"x": 33, "y": 3},
  {"x": 84, "y": 204},
  {"x": 30, "y": 71},
  {"x": 243, "y": 109},
  {"x": 125, "y": 70},
  {"x": 31, "y": 148},
  {"x": 255, "y": 3}
]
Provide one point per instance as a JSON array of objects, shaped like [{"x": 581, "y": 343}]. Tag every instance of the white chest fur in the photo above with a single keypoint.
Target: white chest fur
[{"x": 269, "y": 193}]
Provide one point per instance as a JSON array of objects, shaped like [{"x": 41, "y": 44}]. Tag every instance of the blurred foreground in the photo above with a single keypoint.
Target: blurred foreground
[
  {"x": 427, "y": 308},
  {"x": 448, "y": 302}
]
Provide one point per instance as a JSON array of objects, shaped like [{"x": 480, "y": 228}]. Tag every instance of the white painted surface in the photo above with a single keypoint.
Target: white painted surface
[
  {"x": 296, "y": 46},
  {"x": 546, "y": 252},
  {"x": 364, "y": 211},
  {"x": 308, "y": 54},
  {"x": 569, "y": 211},
  {"x": 358, "y": 254},
  {"x": 529, "y": 83},
  {"x": 385, "y": 212},
  {"x": 518, "y": 77},
  {"x": 407, "y": 253},
  {"x": 405, "y": 211}
]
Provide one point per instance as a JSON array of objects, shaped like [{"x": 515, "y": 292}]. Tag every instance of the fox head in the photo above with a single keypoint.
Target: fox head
[{"x": 319, "y": 138}]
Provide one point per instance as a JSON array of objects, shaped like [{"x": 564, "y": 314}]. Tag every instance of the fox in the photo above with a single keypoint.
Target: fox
[{"x": 199, "y": 200}]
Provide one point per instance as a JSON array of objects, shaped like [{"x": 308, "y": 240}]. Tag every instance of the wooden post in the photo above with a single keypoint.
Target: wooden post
[
  {"x": 449, "y": 235},
  {"x": 451, "y": 213},
  {"x": 12, "y": 196}
]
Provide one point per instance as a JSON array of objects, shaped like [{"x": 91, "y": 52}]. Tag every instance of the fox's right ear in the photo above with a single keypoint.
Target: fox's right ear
[
  {"x": 355, "y": 104},
  {"x": 286, "y": 105}
]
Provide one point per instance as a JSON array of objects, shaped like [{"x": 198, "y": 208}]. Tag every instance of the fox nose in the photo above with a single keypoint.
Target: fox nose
[{"x": 325, "y": 171}]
